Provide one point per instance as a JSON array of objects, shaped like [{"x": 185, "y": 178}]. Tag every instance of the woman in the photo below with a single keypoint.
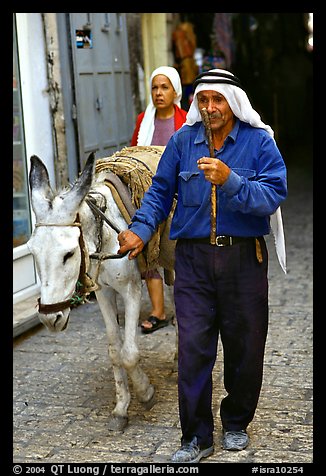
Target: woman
[{"x": 154, "y": 126}]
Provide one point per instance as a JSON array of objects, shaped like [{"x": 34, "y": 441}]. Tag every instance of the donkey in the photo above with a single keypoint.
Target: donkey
[{"x": 66, "y": 239}]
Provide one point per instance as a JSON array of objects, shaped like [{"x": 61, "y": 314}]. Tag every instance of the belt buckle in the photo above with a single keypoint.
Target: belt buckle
[{"x": 223, "y": 237}]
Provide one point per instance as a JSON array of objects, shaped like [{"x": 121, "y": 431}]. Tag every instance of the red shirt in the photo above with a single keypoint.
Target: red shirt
[{"x": 179, "y": 119}]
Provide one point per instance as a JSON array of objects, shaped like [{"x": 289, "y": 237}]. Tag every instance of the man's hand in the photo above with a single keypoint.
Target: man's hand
[
  {"x": 216, "y": 171},
  {"x": 130, "y": 241}
]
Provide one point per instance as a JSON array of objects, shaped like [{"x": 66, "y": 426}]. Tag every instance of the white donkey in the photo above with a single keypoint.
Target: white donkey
[{"x": 68, "y": 237}]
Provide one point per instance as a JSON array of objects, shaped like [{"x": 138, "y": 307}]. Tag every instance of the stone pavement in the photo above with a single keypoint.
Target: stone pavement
[{"x": 64, "y": 387}]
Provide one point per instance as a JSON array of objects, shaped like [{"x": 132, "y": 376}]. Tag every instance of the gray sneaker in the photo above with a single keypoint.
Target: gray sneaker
[
  {"x": 191, "y": 453},
  {"x": 235, "y": 440}
]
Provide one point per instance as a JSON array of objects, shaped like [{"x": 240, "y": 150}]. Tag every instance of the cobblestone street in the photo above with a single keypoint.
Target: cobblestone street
[{"x": 64, "y": 388}]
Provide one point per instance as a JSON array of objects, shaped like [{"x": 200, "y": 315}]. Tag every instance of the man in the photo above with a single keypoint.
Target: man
[{"x": 221, "y": 289}]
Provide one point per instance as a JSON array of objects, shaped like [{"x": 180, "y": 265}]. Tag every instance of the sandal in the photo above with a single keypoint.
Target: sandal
[{"x": 156, "y": 324}]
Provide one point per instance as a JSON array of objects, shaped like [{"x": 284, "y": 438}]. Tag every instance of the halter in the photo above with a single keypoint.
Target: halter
[
  {"x": 76, "y": 223},
  {"x": 59, "y": 306}
]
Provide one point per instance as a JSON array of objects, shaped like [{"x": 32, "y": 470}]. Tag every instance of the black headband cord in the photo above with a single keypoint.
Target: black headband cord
[
  {"x": 217, "y": 78},
  {"x": 218, "y": 75},
  {"x": 215, "y": 81}
]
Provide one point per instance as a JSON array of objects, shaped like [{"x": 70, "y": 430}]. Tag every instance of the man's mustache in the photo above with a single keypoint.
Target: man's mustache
[{"x": 215, "y": 115}]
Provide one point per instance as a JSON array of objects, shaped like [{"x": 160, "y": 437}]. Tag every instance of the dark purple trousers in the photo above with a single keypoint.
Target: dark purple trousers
[{"x": 219, "y": 291}]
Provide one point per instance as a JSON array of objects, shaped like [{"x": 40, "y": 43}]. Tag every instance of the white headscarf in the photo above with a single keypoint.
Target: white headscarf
[
  {"x": 146, "y": 129},
  {"x": 241, "y": 108}
]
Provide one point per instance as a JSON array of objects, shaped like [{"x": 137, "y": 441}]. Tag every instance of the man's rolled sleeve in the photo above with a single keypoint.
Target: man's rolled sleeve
[
  {"x": 142, "y": 231},
  {"x": 232, "y": 184}
]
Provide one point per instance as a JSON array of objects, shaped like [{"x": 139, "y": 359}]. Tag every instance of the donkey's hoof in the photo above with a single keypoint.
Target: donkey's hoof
[
  {"x": 117, "y": 423},
  {"x": 151, "y": 402}
]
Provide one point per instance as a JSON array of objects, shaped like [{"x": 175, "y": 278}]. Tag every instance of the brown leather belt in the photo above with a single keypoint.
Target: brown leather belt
[{"x": 223, "y": 240}]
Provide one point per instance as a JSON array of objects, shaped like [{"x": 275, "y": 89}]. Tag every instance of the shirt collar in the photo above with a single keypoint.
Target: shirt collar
[{"x": 201, "y": 134}]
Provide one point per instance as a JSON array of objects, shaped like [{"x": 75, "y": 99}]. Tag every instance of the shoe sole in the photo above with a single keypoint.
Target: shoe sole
[
  {"x": 203, "y": 454},
  {"x": 235, "y": 448},
  {"x": 150, "y": 329}
]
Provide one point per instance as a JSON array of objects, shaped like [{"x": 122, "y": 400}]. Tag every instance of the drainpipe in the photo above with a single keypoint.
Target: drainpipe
[
  {"x": 155, "y": 47},
  {"x": 55, "y": 95}
]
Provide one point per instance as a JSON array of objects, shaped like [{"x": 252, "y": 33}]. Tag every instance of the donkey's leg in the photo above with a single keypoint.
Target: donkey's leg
[
  {"x": 130, "y": 352},
  {"x": 106, "y": 298}
]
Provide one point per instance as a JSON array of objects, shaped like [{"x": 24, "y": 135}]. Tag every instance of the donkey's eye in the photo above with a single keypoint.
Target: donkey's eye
[{"x": 67, "y": 256}]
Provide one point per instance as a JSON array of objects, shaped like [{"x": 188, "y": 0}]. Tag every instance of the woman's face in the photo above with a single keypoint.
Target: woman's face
[{"x": 163, "y": 92}]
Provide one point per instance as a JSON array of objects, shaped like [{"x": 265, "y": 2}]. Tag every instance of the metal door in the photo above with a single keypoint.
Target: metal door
[{"x": 104, "y": 104}]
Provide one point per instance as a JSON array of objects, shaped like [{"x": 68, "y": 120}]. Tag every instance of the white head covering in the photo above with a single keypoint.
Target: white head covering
[
  {"x": 146, "y": 129},
  {"x": 241, "y": 108},
  {"x": 235, "y": 96}
]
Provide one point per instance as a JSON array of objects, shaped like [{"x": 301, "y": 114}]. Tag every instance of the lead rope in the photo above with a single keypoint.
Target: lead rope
[
  {"x": 89, "y": 284},
  {"x": 102, "y": 256}
]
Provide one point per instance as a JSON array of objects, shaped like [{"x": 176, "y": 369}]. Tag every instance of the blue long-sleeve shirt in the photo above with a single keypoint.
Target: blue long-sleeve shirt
[{"x": 253, "y": 191}]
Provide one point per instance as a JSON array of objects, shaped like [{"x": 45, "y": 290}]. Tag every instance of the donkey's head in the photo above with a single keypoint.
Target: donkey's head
[{"x": 55, "y": 240}]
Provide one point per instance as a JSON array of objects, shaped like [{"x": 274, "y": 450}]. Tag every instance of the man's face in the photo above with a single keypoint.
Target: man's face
[{"x": 218, "y": 108}]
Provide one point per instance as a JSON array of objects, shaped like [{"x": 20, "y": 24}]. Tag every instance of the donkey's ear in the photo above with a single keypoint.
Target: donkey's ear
[
  {"x": 83, "y": 183},
  {"x": 38, "y": 176},
  {"x": 41, "y": 191}
]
